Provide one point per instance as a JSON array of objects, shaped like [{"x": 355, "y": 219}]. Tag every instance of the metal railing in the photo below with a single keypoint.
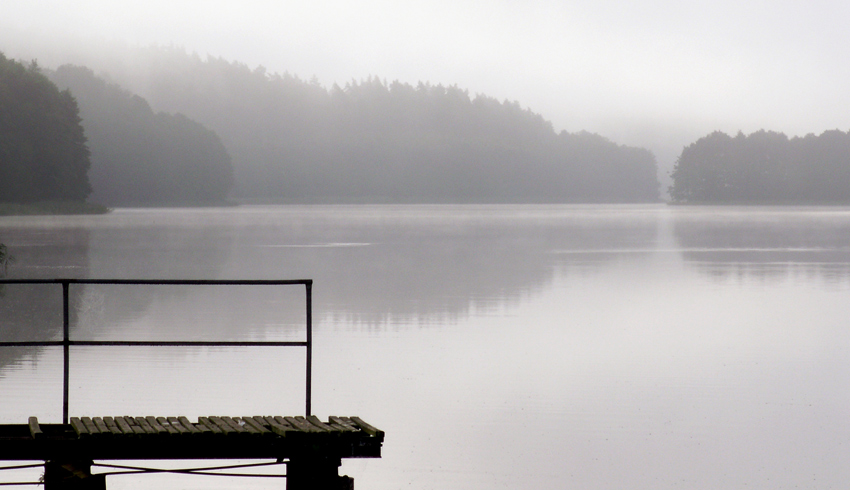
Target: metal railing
[{"x": 66, "y": 343}]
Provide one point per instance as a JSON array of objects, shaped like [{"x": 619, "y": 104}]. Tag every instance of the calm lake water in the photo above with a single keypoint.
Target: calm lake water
[{"x": 591, "y": 347}]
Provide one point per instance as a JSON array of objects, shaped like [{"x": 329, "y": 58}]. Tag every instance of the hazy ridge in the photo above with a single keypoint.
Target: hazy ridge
[{"x": 292, "y": 140}]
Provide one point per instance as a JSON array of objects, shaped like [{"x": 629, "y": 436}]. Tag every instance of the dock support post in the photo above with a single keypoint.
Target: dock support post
[
  {"x": 72, "y": 475},
  {"x": 316, "y": 474}
]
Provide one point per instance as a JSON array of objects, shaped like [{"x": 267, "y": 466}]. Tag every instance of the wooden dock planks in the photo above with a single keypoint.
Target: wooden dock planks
[
  {"x": 181, "y": 426},
  {"x": 212, "y": 437},
  {"x": 229, "y": 426}
]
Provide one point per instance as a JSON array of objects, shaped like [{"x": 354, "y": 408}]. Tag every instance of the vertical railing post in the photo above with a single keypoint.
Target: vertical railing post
[
  {"x": 309, "y": 387},
  {"x": 66, "y": 347}
]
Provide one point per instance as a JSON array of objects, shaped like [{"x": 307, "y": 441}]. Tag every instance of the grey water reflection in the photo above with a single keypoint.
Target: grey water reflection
[
  {"x": 616, "y": 354},
  {"x": 379, "y": 265},
  {"x": 34, "y": 312},
  {"x": 373, "y": 265},
  {"x": 376, "y": 265},
  {"x": 766, "y": 243}
]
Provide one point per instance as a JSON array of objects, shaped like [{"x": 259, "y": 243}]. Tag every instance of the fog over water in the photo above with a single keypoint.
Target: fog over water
[{"x": 594, "y": 346}]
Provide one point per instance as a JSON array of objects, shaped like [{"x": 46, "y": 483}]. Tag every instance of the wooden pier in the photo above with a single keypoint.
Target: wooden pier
[{"x": 311, "y": 449}]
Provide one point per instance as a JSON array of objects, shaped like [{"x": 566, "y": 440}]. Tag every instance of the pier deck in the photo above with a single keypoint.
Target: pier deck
[
  {"x": 311, "y": 448},
  {"x": 177, "y": 438}
]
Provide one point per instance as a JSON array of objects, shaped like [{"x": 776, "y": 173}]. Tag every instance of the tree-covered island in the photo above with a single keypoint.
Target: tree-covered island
[{"x": 764, "y": 167}]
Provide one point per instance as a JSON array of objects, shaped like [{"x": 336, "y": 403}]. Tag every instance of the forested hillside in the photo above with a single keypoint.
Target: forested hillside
[
  {"x": 43, "y": 152},
  {"x": 371, "y": 141},
  {"x": 765, "y": 167},
  {"x": 142, "y": 157}
]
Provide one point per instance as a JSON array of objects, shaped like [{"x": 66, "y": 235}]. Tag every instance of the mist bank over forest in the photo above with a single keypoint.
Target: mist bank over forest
[
  {"x": 764, "y": 167},
  {"x": 92, "y": 140},
  {"x": 293, "y": 140},
  {"x": 139, "y": 157}
]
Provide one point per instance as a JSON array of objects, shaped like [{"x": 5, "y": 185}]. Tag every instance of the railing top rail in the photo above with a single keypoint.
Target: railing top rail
[{"x": 191, "y": 282}]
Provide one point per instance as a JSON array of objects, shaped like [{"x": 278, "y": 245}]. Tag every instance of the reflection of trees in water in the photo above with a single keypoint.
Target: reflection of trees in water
[
  {"x": 403, "y": 265},
  {"x": 166, "y": 248},
  {"x": 34, "y": 312},
  {"x": 768, "y": 245},
  {"x": 371, "y": 265}
]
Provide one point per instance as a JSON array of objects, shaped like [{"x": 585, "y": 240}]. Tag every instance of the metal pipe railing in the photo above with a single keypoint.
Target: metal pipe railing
[{"x": 66, "y": 343}]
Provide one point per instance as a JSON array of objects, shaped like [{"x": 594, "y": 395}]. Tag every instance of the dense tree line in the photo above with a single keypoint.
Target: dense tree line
[
  {"x": 295, "y": 141},
  {"x": 142, "y": 157},
  {"x": 43, "y": 151},
  {"x": 764, "y": 167}
]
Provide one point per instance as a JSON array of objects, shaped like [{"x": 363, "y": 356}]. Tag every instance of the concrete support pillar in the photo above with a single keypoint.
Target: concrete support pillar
[{"x": 72, "y": 475}]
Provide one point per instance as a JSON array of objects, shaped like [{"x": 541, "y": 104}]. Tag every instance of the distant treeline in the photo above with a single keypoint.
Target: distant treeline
[
  {"x": 764, "y": 167},
  {"x": 43, "y": 152},
  {"x": 370, "y": 141},
  {"x": 271, "y": 137},
  {"x": 111, "y": 148},
  {"x": 142, "y": 157}
]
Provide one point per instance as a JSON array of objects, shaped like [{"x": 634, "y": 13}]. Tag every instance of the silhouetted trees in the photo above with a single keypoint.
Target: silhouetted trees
[
  {"x": 372, "y": 141},
  {"x": 295, "y": 141},
  {"x": 5, "y": 259},
  {"x": 142, "y": 157},
  {"x": 43, "y": 152},
  {"x": 764, "y": 167}
]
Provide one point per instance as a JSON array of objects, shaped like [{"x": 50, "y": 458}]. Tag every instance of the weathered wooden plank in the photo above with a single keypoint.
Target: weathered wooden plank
[
  {"x": 134, "y": 425},
  {"x": 164, "y": 422},
  {"x": 189, "y": 425},
  {"x": 260, "y": 419},
  {"x": 282, "y": 421},
  {"x": 79, "y": 427},
  {"x": 257, "y": 426},
  {"x": 318, "y": 423},
  {"x": 101, "y": 426},
  {"x": 343, "y": 425},
  {"x": 87, "y": 421},
  {"x": 35, "y": 430},
  {"x": 278, "y": 428},
  {"x": 242, "y": 424},
  {"x": 124, "y": 425},
  {"x": 209, "y": 424},
  {"x": 174, "y": 422},
  {"x": 113, "y": 427},
  {"x": 143, "y": 423},
  {"x": 368, "y": 428},
  {"x": 229, "y": 424},
  {"x": 302, "y": 425},
  {"x": 151, "y": 420}
]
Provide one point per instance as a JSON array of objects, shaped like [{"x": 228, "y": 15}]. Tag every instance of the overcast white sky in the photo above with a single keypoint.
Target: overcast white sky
[{"x": 653, "y": 73}]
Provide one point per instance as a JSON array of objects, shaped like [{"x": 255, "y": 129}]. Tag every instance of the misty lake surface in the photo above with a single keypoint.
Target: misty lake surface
[{"x": 565, "y": 346}]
